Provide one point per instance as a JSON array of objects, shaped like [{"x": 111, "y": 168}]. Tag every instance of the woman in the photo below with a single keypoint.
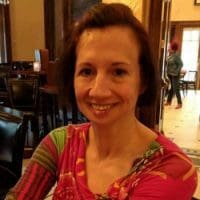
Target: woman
[
  {"x": 109, "y": 69},
  {"x": 174, "y": 65}
]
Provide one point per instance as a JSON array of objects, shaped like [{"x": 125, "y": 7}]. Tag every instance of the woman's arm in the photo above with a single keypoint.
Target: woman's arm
[
  {"x": 179, "y": 62},
  {"x": 40, "y": 174}
]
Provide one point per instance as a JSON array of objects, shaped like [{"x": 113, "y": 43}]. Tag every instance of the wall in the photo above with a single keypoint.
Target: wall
[
  {"x": 136, "y": 6},
  {"x": 185, "y": 11},
  {"x": 181, "y": 10},
  {"x": 27, "y": 28},
  {"x": 27, "y": 22}
]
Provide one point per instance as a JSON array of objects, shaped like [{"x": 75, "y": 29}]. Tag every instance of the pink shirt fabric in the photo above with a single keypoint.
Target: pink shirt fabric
[{"x": 164, "y": 172}]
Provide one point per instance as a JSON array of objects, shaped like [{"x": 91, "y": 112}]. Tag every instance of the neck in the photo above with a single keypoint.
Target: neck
[{"x": 118, "y": 139}]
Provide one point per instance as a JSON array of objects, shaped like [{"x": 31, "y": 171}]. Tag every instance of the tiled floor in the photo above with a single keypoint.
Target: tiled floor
[
  {"x": 183, "y": 127},
  {"x": 183, "y": 124}
]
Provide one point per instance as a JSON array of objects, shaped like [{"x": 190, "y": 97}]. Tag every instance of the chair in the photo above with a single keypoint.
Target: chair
[
  {"x": 4, "y": 71},
  {"x": 23, "y": 94},
  {"x": 190, "y": 80},
  {"x": 49, "y": 98},
  {"x": 4, "y": 100},
  {"x": 8, "y": 180},
  {"x": 12, "y": 139},
  {"x": 181, "y": 82},
  {"x": 50, "y": 101},
  {"x": 75, "y": 117}
]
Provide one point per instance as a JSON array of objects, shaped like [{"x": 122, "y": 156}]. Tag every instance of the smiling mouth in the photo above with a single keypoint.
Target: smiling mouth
[{"x": 101, "y": 107}]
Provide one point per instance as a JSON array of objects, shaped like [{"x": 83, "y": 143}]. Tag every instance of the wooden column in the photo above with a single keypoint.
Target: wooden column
[
  {"x": 5, "y": 38},
  {"x": 49, "y": 24},
  {"x": 155, "y": 23},
  {"x": 57, "y": 17}
]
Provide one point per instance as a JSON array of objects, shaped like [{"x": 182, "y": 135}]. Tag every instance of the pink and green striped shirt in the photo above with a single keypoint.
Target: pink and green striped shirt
[{"x": 164, "y": 172}]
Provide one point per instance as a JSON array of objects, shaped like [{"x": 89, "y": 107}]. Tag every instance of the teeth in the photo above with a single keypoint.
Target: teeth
[{"x": 101, "y": 107}]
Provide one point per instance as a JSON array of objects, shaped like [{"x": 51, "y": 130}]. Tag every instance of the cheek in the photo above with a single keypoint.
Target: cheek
[
  {"x": 79, "y": 89},
  {"x": 133, "y": 88},
  {"x": 130, "y": 94}
]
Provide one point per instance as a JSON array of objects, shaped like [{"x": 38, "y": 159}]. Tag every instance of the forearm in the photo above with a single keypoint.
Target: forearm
[
  {"x": 34, "y": 184},
  {"x": 39, "y": 175}
]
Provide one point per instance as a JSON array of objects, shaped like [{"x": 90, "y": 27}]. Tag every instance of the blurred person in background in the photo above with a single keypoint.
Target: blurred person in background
[{"x": 174, "y": 65}]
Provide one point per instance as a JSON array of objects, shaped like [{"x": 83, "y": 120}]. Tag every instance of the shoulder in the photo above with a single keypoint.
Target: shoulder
[
  {"x": 66, "y": 131},
  {"x": 51, "y": 147},
  {"x": 174, "y": 161},
  {"x": 174, "y": 164},
  {"x": 61, "y": 135},
  {"x": 75, "y": 128},
  {"x": 172, "y": 172}
]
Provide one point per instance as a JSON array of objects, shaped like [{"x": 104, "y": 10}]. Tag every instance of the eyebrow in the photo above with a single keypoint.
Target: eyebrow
[
  {"x": 113, "y": 64},
  {"x": 84, "y": 63},
  {"x": 120, "y": 63}
]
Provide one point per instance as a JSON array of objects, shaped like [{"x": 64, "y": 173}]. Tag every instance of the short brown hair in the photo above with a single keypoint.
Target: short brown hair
[{"x": 174, "y": 46}]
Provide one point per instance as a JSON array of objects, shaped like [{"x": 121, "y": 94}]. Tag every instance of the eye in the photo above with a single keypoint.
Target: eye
[
  {"x": 85, "y": 72},
  {"x": 119, "y": 72}
]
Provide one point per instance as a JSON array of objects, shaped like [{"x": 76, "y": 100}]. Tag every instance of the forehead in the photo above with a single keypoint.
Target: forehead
[
  {"x": 104, "y": 47},
  {"x": 111, "y": 35}
]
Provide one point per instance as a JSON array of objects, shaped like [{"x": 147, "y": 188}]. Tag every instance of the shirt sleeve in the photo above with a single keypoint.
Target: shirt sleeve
[{"x": 40, "y": 174}]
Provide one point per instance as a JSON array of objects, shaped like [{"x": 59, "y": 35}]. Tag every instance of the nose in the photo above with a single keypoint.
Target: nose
[{"x": 100, "y": 87}]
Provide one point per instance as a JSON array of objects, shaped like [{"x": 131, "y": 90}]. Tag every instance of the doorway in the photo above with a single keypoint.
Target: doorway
[
  {"x": 183, "y": 125},
  {"x": 188, "y": 36}
]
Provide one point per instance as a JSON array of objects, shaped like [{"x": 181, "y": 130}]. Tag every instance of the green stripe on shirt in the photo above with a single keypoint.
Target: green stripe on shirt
[{"x": 44, "y": 157}]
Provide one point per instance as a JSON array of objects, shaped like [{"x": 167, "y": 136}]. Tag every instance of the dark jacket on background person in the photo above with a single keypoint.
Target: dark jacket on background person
[{"x": 174, "y": 65}]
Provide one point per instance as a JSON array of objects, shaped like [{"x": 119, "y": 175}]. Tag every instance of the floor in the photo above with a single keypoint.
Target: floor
[{"x": 183, "y": 127}]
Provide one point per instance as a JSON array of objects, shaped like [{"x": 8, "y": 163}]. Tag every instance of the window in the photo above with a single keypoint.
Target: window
[
  {"x": 4, "y": 2},
  {"x": 190, "y": 48}
]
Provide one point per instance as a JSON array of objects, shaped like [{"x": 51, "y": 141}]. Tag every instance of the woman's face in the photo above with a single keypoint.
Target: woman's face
[{"x": 107, "y": 74}]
